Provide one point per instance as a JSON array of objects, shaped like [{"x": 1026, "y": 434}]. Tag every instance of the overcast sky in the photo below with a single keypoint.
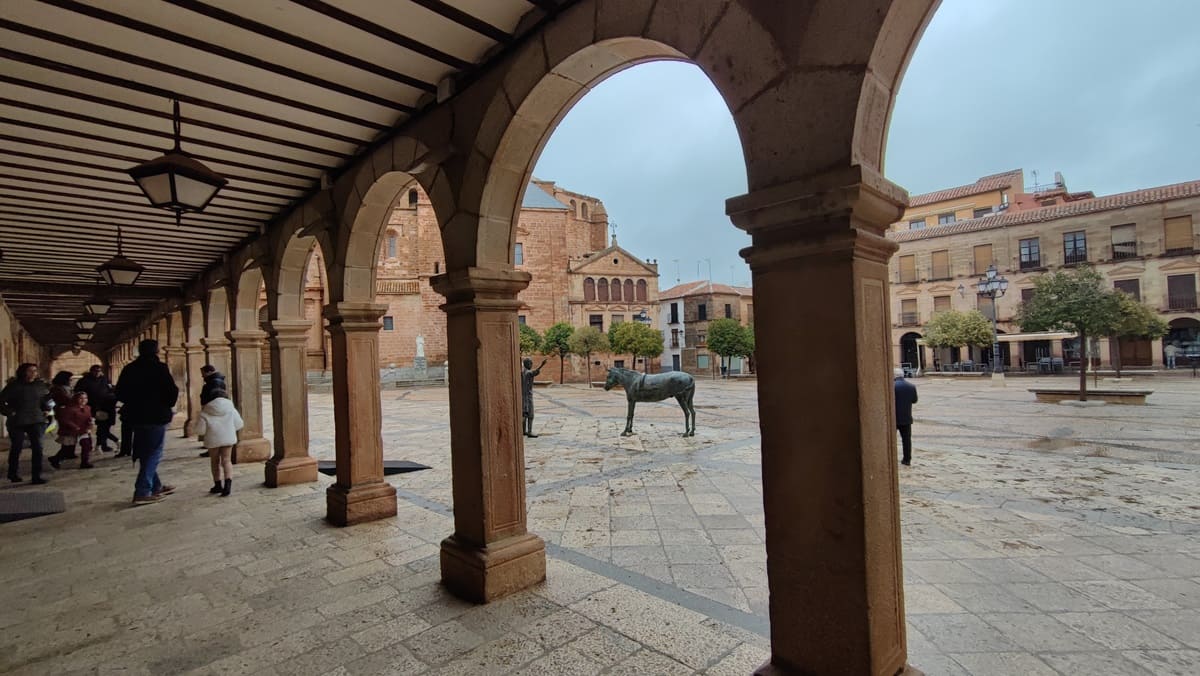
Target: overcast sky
[{"x": 1106, "y": 92}]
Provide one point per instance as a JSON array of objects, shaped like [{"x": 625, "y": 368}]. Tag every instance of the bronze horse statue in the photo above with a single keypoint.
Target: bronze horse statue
[{"x": 643, "y": 387}]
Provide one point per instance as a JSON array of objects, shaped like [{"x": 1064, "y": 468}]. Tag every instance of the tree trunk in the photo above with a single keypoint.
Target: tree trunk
[
  {"x": 1083, "y": 364},
  {"x": 588, "y": 357},
  {"x": 1115, "y": 354},
  {"x": 562, "y": 365}
]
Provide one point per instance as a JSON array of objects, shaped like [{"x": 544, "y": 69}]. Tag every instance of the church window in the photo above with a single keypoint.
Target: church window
[
  {"x": 641, "y": 290},
  {"x": 602, "y": 290},
  {"x": 589, "y": 289},
  {"x": 596, "y": 322},
  {"x": 616, "y": 290},
  {"x": 412, "y": 197},
  {"x": 584, "y": 210},
  {"x": 702, "y": 312},
  {"x": 521, "y": 320},
  {"x": 437, "y": 267},
  {"x": 518, "y": 254},
  {"x": 389, "y": 324},
  {"x": 391, "y": 245},
  {"x": 629, "y": 292}
]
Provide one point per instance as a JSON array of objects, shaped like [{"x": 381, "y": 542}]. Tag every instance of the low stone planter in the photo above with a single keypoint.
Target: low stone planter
[{"x": 1056, "y": 395}]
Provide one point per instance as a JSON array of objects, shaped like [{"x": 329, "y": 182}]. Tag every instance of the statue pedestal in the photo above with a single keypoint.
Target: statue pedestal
[{"x": 420, "y": 365}]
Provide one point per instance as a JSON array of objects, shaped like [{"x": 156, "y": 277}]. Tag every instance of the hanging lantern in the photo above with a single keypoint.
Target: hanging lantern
[
  {"x": 86, "y": 323},
  {"x": 119, "y": 270},
  {"x": 84, "y": 336},
  {"x": 97, "y": 305},
  {"x": 176, "y": 181}
]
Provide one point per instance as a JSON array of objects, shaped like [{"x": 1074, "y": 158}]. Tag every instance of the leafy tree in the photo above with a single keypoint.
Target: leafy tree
[
  {"x": 1075, "y": 300},
  {"x": 620, "y": 337},
  {"x": 556, "y": 342},
  {"x": 956, "y": 329},
  {"x": 635, "y": 339},
  {"x": 728, "y": 338},
  {"x": 1137, "y": 320},
  {"x": 531, "y": 340},
  {"x": 585, "y": 341}
]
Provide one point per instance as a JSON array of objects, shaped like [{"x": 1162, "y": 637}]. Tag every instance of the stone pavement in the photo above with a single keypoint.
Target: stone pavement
[{"x": 1039, "y": 539}]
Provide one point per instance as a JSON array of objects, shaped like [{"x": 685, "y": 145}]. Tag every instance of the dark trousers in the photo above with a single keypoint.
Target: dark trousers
[
  {"x": 104, "y": 432},
  {"x": 126, "y": 438},
  {"x": 906, "y": 441},
  {"x": 17, "y": 435}
]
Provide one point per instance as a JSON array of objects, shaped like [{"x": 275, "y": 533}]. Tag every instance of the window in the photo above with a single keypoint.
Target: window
[
  {"x": 674, "y": 337},
  {"x": 574, "y": 207},
  {"x": 701, "y": 338},
  {"x": 619, "y": 363},
  {"x": 518, "y": 254},
  {"x": 1177, "y": 234},
  {"x": 982, "y": 258},
  {"x": 589, "y": 289},
  {"x": 389, "y": 324},
  {"x": 391, "y": 245},
  {"x": 583, "y": 210},
  {"x": 728, "y": 311},
  {"x": 674, "y": 313},
  {"x": 980, "y": 213},
  {"x": 943, "y": 219},
  {"x": 1133, "y": 287},
  {"x": 702, "y": 361},
  {"x": 1031, "y": 253},
  {"x": 630, "y": 293},
  {"x": 602, "y": 290},
  {"x": 1181, "y": 292},
  {"x": 1124, "y": 242},
  {"x": 908, "y": 312},
  {"x": 1074, "y": 248},
  {"x": 1026, "y": 295},
  {"x": 617, "y": 319},
  {"x": 939, "y": 267},
  {"x": 412, "y": 197},
  {"x": 437, "y": 267},
  {"x": 596, "y": 322},
  {"x": 615, "y": 290},
  {"x": 908, "y": 269},
  {"x": 702, "y": 312},
  {"x": 918, "y": 224},
  {"x": 641, "y": 290},
  {"x": 941, "y": 304}
]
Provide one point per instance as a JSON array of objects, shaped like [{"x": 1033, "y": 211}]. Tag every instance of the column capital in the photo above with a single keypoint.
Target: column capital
[
  {"x": 871, "y": 200},
  {"x": 193, "y": 348},
  {"x": 213, "y": 344},
  {"x": 239, "y": 338},
  {"x": 480, "y": 288},
  {"x": 288, "y": 329},
  {"x": 354, "y": 316}
]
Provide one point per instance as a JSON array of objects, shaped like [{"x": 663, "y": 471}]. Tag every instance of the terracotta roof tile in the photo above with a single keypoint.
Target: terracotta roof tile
[
  {"x": 986, "y": 184},
  {"x": 703, "y": 288},
  {"x": 1087, "y": 206}
]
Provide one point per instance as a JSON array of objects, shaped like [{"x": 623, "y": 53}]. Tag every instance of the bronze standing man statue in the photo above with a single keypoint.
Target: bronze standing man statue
[{"x": 527, "y": 375}]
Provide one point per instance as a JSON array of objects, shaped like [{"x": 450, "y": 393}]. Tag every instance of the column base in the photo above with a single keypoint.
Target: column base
[
  {"x": 484, "y": 574},
  {"x": 286, "y": 471},
  {"x": 252, "y": 450},
  {"x": 359, "y": 504},
  {"x": 997, "y": 380},
  {"x": 770, "y": 669}
]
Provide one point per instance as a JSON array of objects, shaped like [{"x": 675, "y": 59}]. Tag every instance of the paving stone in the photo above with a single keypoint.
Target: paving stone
[{"x": 1003, "y": 664}]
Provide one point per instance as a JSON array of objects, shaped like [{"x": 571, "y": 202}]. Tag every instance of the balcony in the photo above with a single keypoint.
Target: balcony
[
  {"x": 1075, "y": 258},
  {"x": 1124, "y": 250},
  {"x": 1181, "y": 301},
  {"x": 910, "y": 319},
  {"x": 1034, "y": 263}
]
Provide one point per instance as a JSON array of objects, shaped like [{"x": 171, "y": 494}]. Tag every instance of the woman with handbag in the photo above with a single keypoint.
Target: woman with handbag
[
  {"x": 75, "y": 427},
  {"x": 24, "y": 401}
]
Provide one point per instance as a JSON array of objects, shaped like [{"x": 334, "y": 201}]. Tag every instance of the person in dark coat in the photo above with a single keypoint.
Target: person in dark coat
[
  {"x": 214, "y": 381},
  {"x": 103, "y": 402},
  {"x": 24, "y": 401},
  {"x": 148, "y": 393},
  {"x": 906, "y": 396}
]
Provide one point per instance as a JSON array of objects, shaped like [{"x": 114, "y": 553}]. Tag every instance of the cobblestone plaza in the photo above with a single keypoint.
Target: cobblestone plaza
[{"x": 1038, "y": 539}]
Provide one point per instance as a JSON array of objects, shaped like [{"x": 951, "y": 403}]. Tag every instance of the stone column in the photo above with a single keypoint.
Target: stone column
[
  {"x": 246, "y": 381},
  {"x": 360, "y": 493},
  {"x": 176, "y": 359},
  {"x": 491, "y": 553},
  {"x": 829, "y": 453},
  {"x": 194, "y": 361},
  {"x": 219, "y": 355},
  {"x": 291, "y": 463},
  {"x": 1158, "y": 360}
]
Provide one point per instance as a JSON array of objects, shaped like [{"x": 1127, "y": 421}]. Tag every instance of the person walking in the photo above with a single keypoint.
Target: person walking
[
  {"x": 906, "y": 396},
  {"x": 74, "y": 428},
  {"x": 1172, "y": 352},
  {"x": 24, "y": 401},
  {"x": 214, "y": 381},
  {"x": 219, "y": 424},
  {"x": 60, "y": 394},
  {"x": 103, "y": 402},
  {"x": 148, "y": 393}
]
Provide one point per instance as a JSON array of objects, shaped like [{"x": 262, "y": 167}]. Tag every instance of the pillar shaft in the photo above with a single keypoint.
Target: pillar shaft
[
  {"x": 193, "y": 362},
  {"x": 245, "y": 379},
  {"x": 219, "y": 355},
  {"x": 819, "y": 264},
  {"x": 360, "y": 493},
  {"x": 176, "y": 360},
  {"x": 491, "y": 553},
  {"x": 291, "y": 462}
]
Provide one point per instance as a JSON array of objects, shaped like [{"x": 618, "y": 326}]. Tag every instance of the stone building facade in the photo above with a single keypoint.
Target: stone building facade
[
  {"x": 1144, "y": 242},
  {"x": 561, "y": 237},
  {"x": 686, "y": 310}
]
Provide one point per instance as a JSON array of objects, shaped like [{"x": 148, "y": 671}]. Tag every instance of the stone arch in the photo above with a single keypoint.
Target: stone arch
[
  {"x": 244, "y": 309},
  {"x": 602, "y": 290},
  {"x": 216, "y": 313},
  {"x": 637, "y": 293},
  {"x": 615, "y": 289},
  {"x": 589, "y": 289}
]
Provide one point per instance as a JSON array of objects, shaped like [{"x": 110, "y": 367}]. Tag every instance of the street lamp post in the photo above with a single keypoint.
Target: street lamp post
[{"x": 992, "y": 285}]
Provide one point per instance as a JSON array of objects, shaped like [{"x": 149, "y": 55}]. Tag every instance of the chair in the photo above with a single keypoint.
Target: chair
[
  {"x": 1056, "y": 364},
  {"x": 1044, "y": 365}
]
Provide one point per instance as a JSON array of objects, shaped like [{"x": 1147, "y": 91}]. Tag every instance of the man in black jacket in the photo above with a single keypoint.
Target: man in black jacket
[
  {"x": 906, "y": 396},
  {"x": 149, "y": 394},
  {"x": 103, "y": 403}
]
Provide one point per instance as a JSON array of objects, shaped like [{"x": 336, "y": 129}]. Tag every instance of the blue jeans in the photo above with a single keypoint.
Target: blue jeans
[
  {"x": 17, "y": 435},
  {"x": 148, "y": 449}
]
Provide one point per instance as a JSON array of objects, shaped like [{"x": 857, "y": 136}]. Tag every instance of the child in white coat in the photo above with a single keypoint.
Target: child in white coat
[{"x": 219, "y": 425}]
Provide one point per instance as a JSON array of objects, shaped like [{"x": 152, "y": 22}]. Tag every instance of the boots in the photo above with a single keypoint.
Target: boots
[
  {"x": 216, "y": 487},
  {"x": 228, "y": 487}
]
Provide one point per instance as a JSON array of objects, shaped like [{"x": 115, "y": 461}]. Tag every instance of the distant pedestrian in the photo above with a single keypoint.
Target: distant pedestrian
[
  {"x": 149, "y": 394},
  {"x": 219, "y": 424},
  {"x": 60, "y": 394},
  {"x": 74, "y": 429},
  {"x": 103, "y": 401},
  {"x": 24, "y": 402},
  {"x": 1171, "y": 351},
  {"x": 906, "y": 396}
]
